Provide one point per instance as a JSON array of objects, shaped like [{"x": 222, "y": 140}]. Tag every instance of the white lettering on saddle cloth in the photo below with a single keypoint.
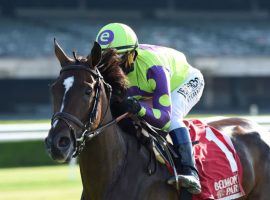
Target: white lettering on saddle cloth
[{"x": 227, "y": 187}]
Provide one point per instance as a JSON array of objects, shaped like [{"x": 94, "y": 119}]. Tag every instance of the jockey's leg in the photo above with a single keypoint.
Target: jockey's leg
[
  {"x": 183, "y": 99},
  {"x": 189, "y": 176}
]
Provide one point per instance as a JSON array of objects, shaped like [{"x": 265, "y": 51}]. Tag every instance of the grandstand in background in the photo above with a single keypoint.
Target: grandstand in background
[
  {"x": 10, "y": 7},
  {"x": 228, "y": 40}
]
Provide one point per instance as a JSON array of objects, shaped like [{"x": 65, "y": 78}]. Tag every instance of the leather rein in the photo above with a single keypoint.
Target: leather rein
[{"x": 85, "y": 128}]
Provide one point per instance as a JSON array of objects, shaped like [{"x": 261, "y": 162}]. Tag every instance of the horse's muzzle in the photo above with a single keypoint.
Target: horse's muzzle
[{"x": 59, "y": 147}]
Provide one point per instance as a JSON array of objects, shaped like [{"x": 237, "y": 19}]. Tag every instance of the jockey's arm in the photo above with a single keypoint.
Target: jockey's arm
[{"x": 160, "y": 113}]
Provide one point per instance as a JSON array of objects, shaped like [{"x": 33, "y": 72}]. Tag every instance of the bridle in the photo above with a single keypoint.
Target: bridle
[{"x": 85, "y": 128}]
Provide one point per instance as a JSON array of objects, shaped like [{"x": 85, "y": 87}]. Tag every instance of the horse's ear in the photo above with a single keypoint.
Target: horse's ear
[
  {"x": 94, "y": 58},
  {"x": 60, "y": 54}
]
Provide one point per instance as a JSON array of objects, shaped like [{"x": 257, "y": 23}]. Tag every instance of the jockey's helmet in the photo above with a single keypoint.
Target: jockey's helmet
[{"x": 118, "y": 36}]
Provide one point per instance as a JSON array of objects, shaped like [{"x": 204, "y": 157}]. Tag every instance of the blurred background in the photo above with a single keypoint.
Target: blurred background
[{"x": 229, "y": 41}]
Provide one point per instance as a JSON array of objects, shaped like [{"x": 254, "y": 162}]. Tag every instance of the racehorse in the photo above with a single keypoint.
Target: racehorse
[{"x": 113, "y": 164}]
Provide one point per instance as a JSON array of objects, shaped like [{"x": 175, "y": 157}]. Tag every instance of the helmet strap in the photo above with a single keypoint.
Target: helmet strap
[{"x": 135, "y": 55}]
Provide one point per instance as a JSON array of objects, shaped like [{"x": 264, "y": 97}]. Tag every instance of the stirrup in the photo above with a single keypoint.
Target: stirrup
[{"x": 188, "y": 181}]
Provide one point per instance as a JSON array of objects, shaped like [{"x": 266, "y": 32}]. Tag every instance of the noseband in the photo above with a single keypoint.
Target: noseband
[{"x": 85, "y": 128}]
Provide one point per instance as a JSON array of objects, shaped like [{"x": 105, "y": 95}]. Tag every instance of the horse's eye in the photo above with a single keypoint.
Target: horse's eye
[{"x": 88, "y": 91}]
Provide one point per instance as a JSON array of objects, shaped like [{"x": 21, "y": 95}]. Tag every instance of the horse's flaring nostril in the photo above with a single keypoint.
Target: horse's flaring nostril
[{"x": 63, "y": 142}]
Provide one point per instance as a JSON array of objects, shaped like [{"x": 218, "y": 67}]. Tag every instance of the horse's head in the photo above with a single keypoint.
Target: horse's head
[{"x": 76, "y": 102}]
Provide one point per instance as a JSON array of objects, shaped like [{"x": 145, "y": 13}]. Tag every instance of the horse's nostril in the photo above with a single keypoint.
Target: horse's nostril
[{"x": 64, "y": 142}]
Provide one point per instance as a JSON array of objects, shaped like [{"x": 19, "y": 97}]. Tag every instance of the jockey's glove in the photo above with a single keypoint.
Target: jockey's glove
[{"x": 132, "y": 105}]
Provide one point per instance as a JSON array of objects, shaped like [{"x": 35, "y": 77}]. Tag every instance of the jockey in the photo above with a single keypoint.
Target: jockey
[{"x": 163, "y": 76}]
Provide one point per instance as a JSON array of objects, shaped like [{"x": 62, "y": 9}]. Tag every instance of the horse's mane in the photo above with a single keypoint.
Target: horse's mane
[
  {"x": 114, "y": 75},
  {"x": 112, "y": 72}
]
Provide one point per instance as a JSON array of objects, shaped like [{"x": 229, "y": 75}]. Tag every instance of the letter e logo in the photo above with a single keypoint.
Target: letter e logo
[{"x": 105, "y": 37}]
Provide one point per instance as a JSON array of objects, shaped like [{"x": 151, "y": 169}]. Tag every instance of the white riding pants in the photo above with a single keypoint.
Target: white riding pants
[{"x": 185, "y": 97}]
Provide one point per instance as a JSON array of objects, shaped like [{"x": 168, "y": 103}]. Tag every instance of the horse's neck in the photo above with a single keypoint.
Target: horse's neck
[{"x": 102, "y": 161}]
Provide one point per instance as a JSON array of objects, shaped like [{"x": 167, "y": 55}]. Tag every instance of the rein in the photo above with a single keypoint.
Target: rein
[{"x": 85, "y": 128}]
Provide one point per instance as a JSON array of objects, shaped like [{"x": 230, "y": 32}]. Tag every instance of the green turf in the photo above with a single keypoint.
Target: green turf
[
  {"x": 24, "y": 154},
  {"x": 24, "y": 121},
  {"x": 40, "y": 183}
]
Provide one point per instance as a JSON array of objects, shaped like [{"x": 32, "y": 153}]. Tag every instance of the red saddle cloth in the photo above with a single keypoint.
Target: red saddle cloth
[{"x": 219, "y": 166}]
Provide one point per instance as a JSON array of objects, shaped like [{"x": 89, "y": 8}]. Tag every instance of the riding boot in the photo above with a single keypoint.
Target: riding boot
[{"x": 188, "y": 176}]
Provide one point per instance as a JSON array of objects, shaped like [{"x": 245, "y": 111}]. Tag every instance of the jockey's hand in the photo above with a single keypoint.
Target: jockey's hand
[{"x": 132, "y": 105}]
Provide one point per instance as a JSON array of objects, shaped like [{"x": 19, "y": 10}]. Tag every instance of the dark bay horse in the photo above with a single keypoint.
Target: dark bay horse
[{"x": 112, "y": 164}]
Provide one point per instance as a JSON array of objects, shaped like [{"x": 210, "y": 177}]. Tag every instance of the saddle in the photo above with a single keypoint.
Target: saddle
[{"x": 158, "y": 144}]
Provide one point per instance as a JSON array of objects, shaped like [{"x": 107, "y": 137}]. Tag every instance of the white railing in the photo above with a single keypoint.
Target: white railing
[
  {"x": 38, "y": 131},
  {"x": 23, "y": 132}
]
